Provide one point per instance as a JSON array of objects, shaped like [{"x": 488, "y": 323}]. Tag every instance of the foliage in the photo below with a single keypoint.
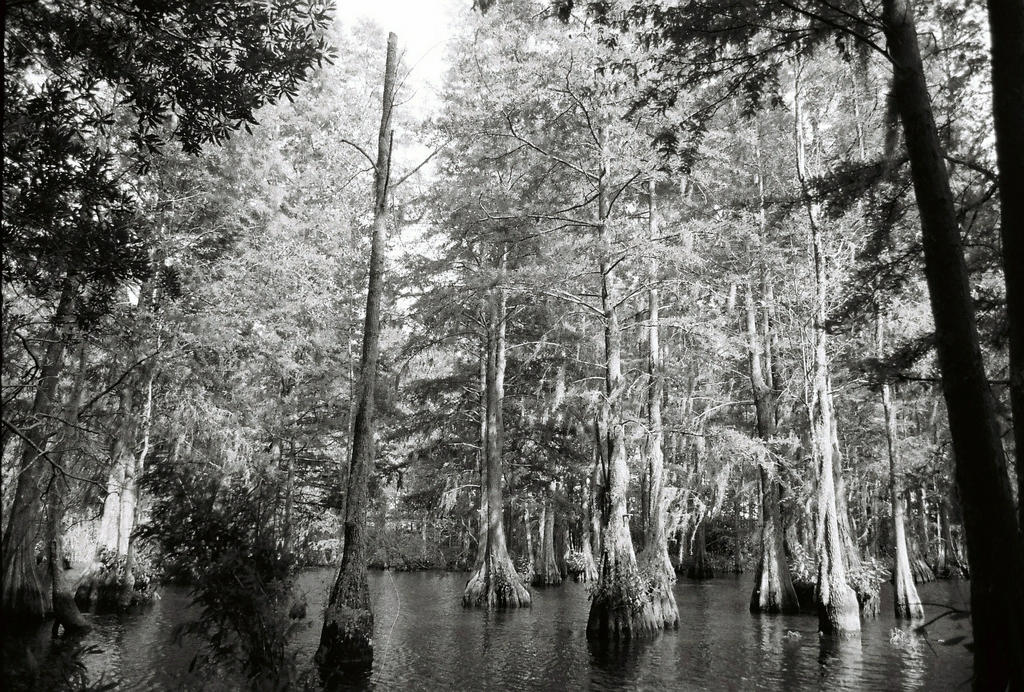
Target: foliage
[{"x": 212, "y": 526}]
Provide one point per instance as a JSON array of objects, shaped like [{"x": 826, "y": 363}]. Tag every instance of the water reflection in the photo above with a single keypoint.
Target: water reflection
[
  {"x": 840, "y": 660},
  {"x": 617, "y": 665}
]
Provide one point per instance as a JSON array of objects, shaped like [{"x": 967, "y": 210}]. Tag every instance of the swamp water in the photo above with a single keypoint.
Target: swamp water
[{"x": 425, "y": 640}]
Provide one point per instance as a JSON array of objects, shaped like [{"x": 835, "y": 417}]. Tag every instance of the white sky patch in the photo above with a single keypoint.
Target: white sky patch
[{"x": 423, "y": 28}]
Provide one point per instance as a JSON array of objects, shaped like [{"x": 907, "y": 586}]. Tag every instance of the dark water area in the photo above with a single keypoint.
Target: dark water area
[{"x": 425, "y": 640}]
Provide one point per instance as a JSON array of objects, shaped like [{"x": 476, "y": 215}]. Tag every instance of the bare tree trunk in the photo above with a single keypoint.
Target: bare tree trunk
[
  {"x": 994, "y": 545},
  {"x": 23, "y": 595},
  {"x": 773, "y": 585},
  {"x": 531, "y": 562},
  {"x": 547, "y": 573},
  {"x": 481, "y": 544},
  {"x": 346, "y": 640},
  {"x": 905, "y": 599},
  {"x": 496, "y": 584},
  {"x": 654, "y": 562},
  {"x": 619, "y": 607},
  {"x": 65, "y": 610},
  {"x": 592, "y": 527},
  {"x": 838, "y": 610}
]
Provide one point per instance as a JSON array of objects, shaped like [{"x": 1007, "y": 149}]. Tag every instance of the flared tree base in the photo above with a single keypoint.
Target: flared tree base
[
  {"x": 609, "y": 622},
  {"x": 773, "y": 601},
  {"x": 346, "y": 643},
  {"x": 67, "y": 615},
  {"x": 921, "y": 571},
  {"x": 548, "y": 577},
  {"x": 588, "y": 572},
  {"x": 494, "y": 585},
  {"x": 25, "y": 602},
  {"x": 656, "y": 570},
  {"x": 346, "y": 640},
  {"x": 103, "y": 589},
  {"x": 841, "y": 615}
]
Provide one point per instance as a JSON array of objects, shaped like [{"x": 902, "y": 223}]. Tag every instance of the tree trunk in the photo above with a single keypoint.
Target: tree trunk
[
  {"x": 838, "y": 610},
  {"x": 481, "y": 459},
  {"x": 531, "y": 562},
  {"x": 619, "y": 606},
  {"x": 906, "y": 602},
  {"x": 65, "y": 611},
  {"x": 654, "y": 563},
  {"x": 496, "y": 584},
  {"x": 99, "y": 583},
  {"x": 773, "y": 585},
  {"x": 547, "y": 573},
  {"x": 346, "y": 641},
  {"x": 24, "y": 598},
  {"x": 1006, "y": 25},
  {"x": 994, "y": 546},
  {"x": 592, "y": 528},
  {"x": 699, "y": 567}
]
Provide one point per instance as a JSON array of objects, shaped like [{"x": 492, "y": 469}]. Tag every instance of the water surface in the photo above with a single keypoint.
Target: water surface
[{"x": 425, "y": 640}]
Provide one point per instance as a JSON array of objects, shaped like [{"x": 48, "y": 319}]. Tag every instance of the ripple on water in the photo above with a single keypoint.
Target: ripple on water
[{"x": 425, "y": 640}]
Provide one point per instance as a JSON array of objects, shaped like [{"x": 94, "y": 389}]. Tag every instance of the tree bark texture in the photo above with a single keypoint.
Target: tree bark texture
[
  {"x": 906, "y": 602},
  {"x": 654, "y": 562},
  {"x": 773, "y": 584},
  {"x": 24, "y": 598},
  {"x": 495, "y": 583},
  {"x": 838, "y": 610},
  {"x": 547, "y": 573}
]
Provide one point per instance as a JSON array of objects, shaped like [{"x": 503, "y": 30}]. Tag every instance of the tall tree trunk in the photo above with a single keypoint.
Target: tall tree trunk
[
  {"x": 654, "y": 562},
  {"x": 1006, "y": 25},
  {"x": 99, "y": 583},
  {"x": 346, "y": 641},
  {"x": 531, "y": 561},
  {"x": 905, "y": 599},
  {"x": 619, "y": 607},
  {"x": 773, "y": 585},
  {"x": 592, "y": 527},
  {"x": 24, "y": 598},
  {"x": 496, "y": 584},
  {"x": 994, "y": 546},
  {"x": 838, "y": 610},
  {"x": 481, "y": 460},
  {"x": 547, "y": 573},
  {"x": 65, "y": 610}
]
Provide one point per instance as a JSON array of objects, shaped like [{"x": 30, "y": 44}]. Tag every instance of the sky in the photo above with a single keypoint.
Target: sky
[{"x": 423, "y": 28}]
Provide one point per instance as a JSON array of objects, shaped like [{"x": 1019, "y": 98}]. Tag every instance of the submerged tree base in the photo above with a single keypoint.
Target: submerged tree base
[
  {"x": 346, "y": 641},
  {"x": 620, "y": 606},
  {"x": 614, "y": 621},
  {"x": 547, "y": 577},
  {"x": 841, "y": 615},
  {"x": 773, "y": 595},
  {"x": 496, "y": 584},
  {"x": 656, "y": 568}
]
